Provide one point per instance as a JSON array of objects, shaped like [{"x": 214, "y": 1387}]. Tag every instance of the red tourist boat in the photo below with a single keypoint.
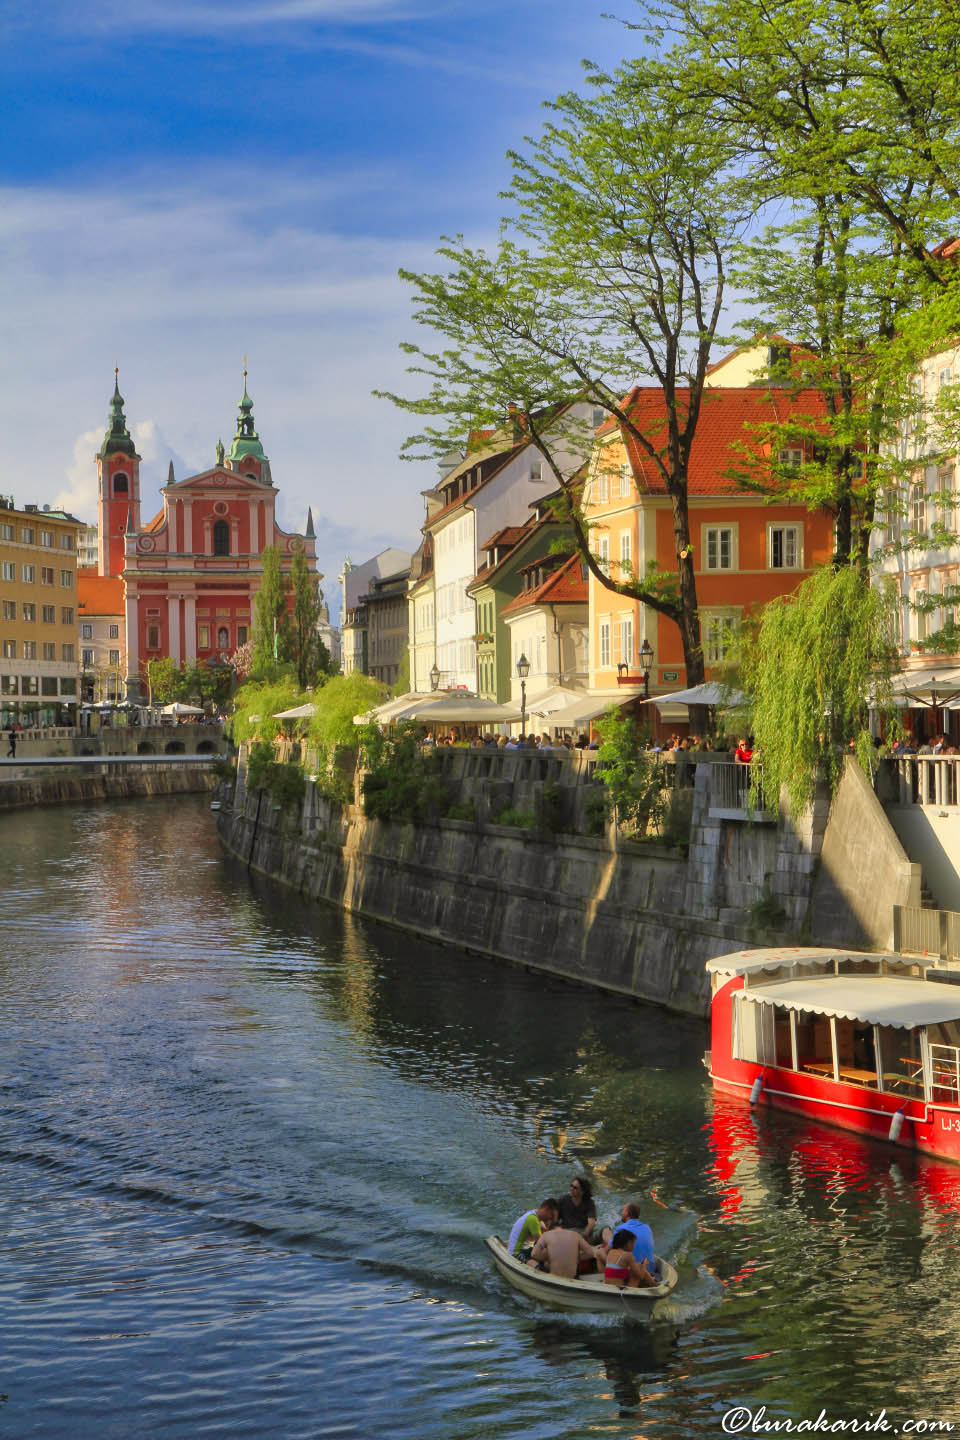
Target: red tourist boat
[{"x": 867, "y": 1042}]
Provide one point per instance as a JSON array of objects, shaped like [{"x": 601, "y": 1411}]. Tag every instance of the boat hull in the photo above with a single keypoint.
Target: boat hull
[{"x": 584, "y": 1294}]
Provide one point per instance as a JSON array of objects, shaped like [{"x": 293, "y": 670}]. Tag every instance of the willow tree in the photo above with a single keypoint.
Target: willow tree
[
  {"x": 610, "y": 270},
  {"x": 814, "y": 664},
  {"x": 272, "y": 640}
]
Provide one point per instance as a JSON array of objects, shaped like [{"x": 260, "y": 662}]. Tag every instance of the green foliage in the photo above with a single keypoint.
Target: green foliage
[
  {"x": 342, "y": 697},
  {"x": 163, "y": 681},
  {"x": 400, "y": 781},
  {"x": 519, "y": 819},
  {"x": 634, "y": 779},
  {"x": 284, "y": 783},
  {"x": 272, "y": 633},
  {"x": 255, "y": 705},
  {"x": 309, "y": 652},
  {"x": 552, "y": 808},
  {"x": 259, "y": 762},
  {"x": 596, "y": 809},
  {"x": 401, "y": 685},
  {"x": 813, "y": 665},
  {"x": 462, "y": 810}
]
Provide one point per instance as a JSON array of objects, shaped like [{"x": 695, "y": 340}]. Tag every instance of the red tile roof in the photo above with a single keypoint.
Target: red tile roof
[
  {"x": 731, "y": 421},
  {"x": 565, "y": 586},
  {"x": 509, "y": 535},
  {"x": 99, "y": 594}
]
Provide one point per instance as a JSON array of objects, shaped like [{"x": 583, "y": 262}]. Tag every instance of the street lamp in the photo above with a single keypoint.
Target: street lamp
[
  {"x": 646, "y": 659},
  {"x": 523, "y": 670},
  {"x": 434, "y": 677}
]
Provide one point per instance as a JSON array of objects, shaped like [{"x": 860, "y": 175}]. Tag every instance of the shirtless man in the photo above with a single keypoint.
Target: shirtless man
[{"x": 561, "y": 1252}]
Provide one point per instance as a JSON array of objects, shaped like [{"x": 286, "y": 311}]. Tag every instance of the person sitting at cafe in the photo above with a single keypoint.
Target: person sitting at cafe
[
  {"x": 562, "y": 1252},
  {"x": 620, "y": 1267},
  {"x": 530, "y": 1226}
]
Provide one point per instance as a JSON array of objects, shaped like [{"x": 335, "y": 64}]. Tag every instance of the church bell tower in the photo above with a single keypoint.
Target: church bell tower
[{"x": 118, "y": 473}]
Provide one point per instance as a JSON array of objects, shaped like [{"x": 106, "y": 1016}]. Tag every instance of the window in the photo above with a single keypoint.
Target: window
[
  {"x": 121, "y": 485},
  {"x": 626, "y": 553},
  {"x": 7, "y": 532},
  {"x": 718, "y": 628},
  {"x": 66, "y": 542},
  {"x": 9, "y": 571},
  {"x": 948, "y": 499},
  {"x": 601, "y": 489},
  {"x": 68, "y": 685},
  {"x": 29, "y": 612},
  {"x": 47, "y": 576},
  {"x": 114, "y": 632},
  {"x": 29, "y": 649},
  {"x": 918, "y": 508},
  {"x": 221, "y": 537},
  {"x": 48, "y": 684},
  {"x": 86, "y": 632},
  {"x": 223, "y": 638},
  {"x": 68, "y": 652},
  {"x": 87, "y": 659},
  {"x": 114, "y": 657},
  {"x": 718, "y": 547},
  {"x": 9, "y": 649},
  {"x": 203, "y": 637},
  {"x": 945, "y": 376},
  {"x": 783, "y": 547},
  {"x": 9, "y": 609},
  {"x": 792, "y": 455},
  {"x": 536, "y": 470},
  {"x": 153, "y": 637},
  {"x": 26, "y": 534},
  {"x": 626, "y": 640},
  {"x": 49, "y": 614},
  {"x": 28, "y": 574},
  {"x": 241, "y": 635},
  {"x": 66, "y": 615},
  {"x": 599, "y": 415},
  {"x": 603, "y": 553},
  {"x": 29, "y": 685},
  {"x": 66, "y": 579},
  {"x": 48, "y": 650},
  {"x": 625, "y": 481},
  {"x": 46, "y": 539},
  {"x": 604, "y": 644},
  {"x": 9, "y": 684}
]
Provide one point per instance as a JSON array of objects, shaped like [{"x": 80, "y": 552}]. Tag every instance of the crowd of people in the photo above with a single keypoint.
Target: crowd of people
[{"x": 563, "y": 1238}]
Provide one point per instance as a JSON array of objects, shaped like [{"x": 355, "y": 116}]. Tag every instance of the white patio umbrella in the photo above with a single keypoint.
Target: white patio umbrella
[
  {"x": 460, "y": 709},
  {"x": 177, "y": 707},
  {"x": 394, "y": 709},
  {"x": 710, "y": 693},
  {"x": 299, "y": 712}
]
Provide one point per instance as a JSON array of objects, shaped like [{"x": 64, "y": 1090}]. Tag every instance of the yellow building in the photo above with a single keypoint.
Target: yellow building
[{"x": 38, "y": 615}]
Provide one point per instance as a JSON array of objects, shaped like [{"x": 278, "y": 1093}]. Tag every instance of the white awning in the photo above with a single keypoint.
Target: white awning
[
  {"x": 942, "y": 682},
  {"x": 709, "y": 693},
  {"x": 743, "y": 962},
  {"x": 874, "y": 1000},
  {"x": 558, "y": 698}
]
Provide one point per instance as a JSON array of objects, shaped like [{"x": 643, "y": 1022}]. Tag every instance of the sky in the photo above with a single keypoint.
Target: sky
[{"x": 187, "y": 182}]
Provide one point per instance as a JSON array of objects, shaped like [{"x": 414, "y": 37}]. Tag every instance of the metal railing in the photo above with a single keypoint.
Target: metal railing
[
  {"x": 730, "y": 791},
  {"x": 919, "y": 931}
]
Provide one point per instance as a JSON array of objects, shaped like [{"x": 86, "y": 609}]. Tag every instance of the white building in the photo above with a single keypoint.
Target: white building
[
  {"x": 354, "y": 583},
  {"x": 491, "y": 488}
]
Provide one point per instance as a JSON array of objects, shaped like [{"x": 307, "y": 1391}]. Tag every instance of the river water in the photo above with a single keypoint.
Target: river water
[{"x": 249, "y": 1148}]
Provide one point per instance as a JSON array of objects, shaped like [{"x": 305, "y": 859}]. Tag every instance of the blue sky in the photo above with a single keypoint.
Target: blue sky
[{"x": 187, "y": 181}]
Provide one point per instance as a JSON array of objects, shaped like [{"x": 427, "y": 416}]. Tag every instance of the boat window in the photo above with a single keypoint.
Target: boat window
[
  {"x": 783, "y": 1046},
  {"x": 814, "y": 1044},
  {"x": 901, "y": 1061},
  {"x": 753, "y": 1032}
]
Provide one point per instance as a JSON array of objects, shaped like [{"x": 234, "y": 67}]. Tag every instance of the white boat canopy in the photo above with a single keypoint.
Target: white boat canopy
[
  {"x": 742, "y": 962},
  {"x": 874, "y": 1000}
]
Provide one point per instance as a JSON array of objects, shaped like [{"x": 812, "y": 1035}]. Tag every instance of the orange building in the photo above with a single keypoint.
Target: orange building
[{"x": 746, "y": 551}]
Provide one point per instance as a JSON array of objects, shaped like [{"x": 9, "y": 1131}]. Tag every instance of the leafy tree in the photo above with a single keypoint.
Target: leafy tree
[
  {"x": 623, "y": 212},
  {"x": 164, "y": 681},
  {"x": 308, "y": 649},
  {"x": 401, "y": 685},
  {"x": 272, "y": 635},
  {"x": 634, "y": 779},
  {"x": 203, "y": 682},
  {"x": 813, "y": 664}
]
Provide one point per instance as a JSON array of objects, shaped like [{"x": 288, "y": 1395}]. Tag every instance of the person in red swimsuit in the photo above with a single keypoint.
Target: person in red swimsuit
[{"x": 621, "y": 1268}]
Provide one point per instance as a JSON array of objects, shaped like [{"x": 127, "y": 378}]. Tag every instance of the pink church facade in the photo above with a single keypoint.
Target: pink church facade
[{"x": 191, "y": 574}]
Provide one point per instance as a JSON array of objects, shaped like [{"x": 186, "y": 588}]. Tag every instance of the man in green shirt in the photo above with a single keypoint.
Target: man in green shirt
[{"x": 531, "y": 1224}]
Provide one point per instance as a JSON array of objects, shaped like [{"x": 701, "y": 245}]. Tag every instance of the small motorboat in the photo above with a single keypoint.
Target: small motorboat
[{"x": 588, "y": 1292}]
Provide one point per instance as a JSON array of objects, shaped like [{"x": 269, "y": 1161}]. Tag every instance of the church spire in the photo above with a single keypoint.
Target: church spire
[
  {"x": 117, "y": 439},
  {"x": 246, "y": 441},
  {"x": 310, "y": 530}
]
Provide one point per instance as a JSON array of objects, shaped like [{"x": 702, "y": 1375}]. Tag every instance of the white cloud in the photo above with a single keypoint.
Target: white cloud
[{"x": 176, "y": 283}]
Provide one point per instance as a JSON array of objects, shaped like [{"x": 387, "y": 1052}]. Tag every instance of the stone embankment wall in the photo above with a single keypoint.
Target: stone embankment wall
[
  {"x": 75, "y": 789},
  {"x": 632, "y": 918}
]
